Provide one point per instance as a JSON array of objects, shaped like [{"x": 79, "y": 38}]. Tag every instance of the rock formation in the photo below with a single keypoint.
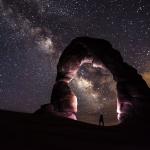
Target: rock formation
[{"x": 133, "y": 93}]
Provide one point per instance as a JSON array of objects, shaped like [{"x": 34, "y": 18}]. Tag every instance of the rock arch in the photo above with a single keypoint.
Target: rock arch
[{"x": 132, "y": 91}]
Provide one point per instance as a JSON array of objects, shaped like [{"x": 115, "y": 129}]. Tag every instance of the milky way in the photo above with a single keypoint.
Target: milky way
[{"x": 33, "y": 34}]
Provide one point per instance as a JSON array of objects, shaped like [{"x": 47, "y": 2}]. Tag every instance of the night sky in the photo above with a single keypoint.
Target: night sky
[{"x": 33, "y": 34}]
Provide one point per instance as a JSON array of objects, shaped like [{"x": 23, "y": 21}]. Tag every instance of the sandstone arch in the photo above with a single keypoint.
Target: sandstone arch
[{"x": 132, "y": 91}]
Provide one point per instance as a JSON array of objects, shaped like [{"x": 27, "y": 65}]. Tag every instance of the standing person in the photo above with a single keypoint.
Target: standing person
[{"x": 101, "y": 120}]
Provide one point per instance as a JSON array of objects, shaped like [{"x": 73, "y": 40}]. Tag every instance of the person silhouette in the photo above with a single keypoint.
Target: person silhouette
[{"x": 101, "y": 120}]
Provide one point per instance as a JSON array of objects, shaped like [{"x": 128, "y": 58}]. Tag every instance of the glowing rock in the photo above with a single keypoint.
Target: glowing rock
[{"x": 132, "y": 91}]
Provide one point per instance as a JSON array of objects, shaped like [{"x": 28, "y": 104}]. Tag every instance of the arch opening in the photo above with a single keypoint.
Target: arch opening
[{"x": 96, "y": 93}]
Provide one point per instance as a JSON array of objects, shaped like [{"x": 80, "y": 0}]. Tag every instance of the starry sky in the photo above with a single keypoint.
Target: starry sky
[{"x": 33, "y": 34}]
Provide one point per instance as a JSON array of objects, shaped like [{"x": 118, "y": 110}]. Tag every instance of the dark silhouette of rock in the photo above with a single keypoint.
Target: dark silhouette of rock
[
  {"x": 133, "y": 92},
  {"x": 37, "y": 132}
]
